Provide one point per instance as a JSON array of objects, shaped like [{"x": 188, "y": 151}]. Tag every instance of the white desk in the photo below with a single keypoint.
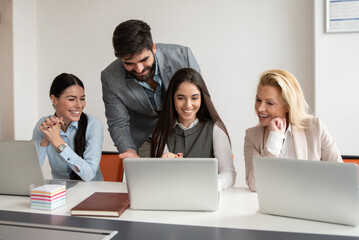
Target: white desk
[{"x": 238, "y": 209}]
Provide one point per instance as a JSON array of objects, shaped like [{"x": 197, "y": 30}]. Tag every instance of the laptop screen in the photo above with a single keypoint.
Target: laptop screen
[
  {"x": 172, "y": 184},
  {"x": 19, "y": 167},
  {"x": 316, "y": 190}
]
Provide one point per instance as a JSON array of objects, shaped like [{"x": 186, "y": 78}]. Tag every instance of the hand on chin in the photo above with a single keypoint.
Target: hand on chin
[{"x": 278, "y": 124}]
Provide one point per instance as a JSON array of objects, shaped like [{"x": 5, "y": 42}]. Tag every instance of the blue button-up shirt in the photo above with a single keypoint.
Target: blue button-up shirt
[
  {"x": 62, "y": 163},
  {"x": 155, "y": 96}
]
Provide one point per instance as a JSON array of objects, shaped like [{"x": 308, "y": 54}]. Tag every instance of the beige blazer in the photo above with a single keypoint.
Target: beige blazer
[{"x": 311, "y": 143}]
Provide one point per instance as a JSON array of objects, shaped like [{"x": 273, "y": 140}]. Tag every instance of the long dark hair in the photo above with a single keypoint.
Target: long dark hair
[
  {"x": 58, "y": 86},
  {"x": 164, "y": 127}
]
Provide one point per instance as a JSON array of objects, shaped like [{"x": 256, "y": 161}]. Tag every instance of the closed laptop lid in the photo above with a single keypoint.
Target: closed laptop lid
[
  {"x": 19, "y": 167},
  {"x": 172, "y": 184},
  {"x": 315, "y": 190}
]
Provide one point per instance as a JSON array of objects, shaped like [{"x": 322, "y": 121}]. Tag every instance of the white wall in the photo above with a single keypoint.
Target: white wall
[
  {"x": 337, "y": 83},
  {"x": 233, "y": 41},
  {"x": 25, "y": 67}
]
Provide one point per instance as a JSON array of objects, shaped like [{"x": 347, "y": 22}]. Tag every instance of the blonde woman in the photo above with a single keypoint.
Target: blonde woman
[{"x": 286, "y": 129}]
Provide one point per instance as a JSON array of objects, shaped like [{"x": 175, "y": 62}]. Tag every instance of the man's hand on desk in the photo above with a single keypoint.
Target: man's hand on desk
[{"x": 129, "y": 153}]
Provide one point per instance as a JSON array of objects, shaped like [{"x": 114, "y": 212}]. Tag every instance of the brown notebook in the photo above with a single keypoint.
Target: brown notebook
[{"x": 104, "y": 204}]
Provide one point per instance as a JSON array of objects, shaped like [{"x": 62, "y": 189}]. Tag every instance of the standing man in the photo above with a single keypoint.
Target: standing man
[{"x": 134, "y": 85}]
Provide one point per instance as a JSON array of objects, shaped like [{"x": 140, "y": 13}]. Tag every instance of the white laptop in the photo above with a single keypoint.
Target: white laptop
[
  {"x": 20, "y": 168},
  {"x": 188, "y": 184},
  {"x": 315, "y": 190}
]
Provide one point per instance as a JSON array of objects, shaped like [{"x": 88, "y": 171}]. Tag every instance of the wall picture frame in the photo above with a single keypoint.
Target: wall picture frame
[{"x": 342, "y": 16}]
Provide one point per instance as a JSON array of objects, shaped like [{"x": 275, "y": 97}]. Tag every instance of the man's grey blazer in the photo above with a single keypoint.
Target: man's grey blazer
[{"x": 129, "y": 113}]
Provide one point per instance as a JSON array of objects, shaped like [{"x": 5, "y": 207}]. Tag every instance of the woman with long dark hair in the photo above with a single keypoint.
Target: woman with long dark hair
[
  {"x": 71, "y": 139},
  {"x": 189, "y": 126}
]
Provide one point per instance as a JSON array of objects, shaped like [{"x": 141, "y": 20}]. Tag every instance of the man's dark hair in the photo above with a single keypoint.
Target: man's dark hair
[{"x": 131, "y": 37}]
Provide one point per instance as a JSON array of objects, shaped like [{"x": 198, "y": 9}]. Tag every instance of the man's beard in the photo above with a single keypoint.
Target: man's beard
[{"x": 144, "y": 78}]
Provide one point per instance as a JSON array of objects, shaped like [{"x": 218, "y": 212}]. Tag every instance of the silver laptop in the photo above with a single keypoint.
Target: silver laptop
[
  {"x": 188, "y": 184},
  {"x": 315, "y": 190},
  {"x": 19, "y": 167}
]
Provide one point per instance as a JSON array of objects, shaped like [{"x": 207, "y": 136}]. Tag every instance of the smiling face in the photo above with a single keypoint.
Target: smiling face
[
  {"x": 269, "y": 104},
  {"x": 187, "y": 100},
  {"x": 70, "y": 104},
  {"x": 141, "y": 66}
]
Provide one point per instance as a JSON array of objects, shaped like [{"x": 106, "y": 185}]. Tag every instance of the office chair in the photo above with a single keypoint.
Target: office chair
[
  {"x": 351, "y": 158},
  {"x": 111, "y": 167}
]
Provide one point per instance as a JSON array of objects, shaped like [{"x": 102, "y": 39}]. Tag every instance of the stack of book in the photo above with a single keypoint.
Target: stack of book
[{"x": 48, "y": 197}]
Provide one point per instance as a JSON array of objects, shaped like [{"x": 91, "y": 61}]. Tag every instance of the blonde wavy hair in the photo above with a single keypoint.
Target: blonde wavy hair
[{"x": 292, "y": 95}]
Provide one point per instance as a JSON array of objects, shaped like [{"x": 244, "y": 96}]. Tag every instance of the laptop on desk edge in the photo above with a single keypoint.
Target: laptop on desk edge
[
  {"x": 314, "y": 190},
  {"x": 187, "y": 184},
  {"x": 20, "y": 168}
]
